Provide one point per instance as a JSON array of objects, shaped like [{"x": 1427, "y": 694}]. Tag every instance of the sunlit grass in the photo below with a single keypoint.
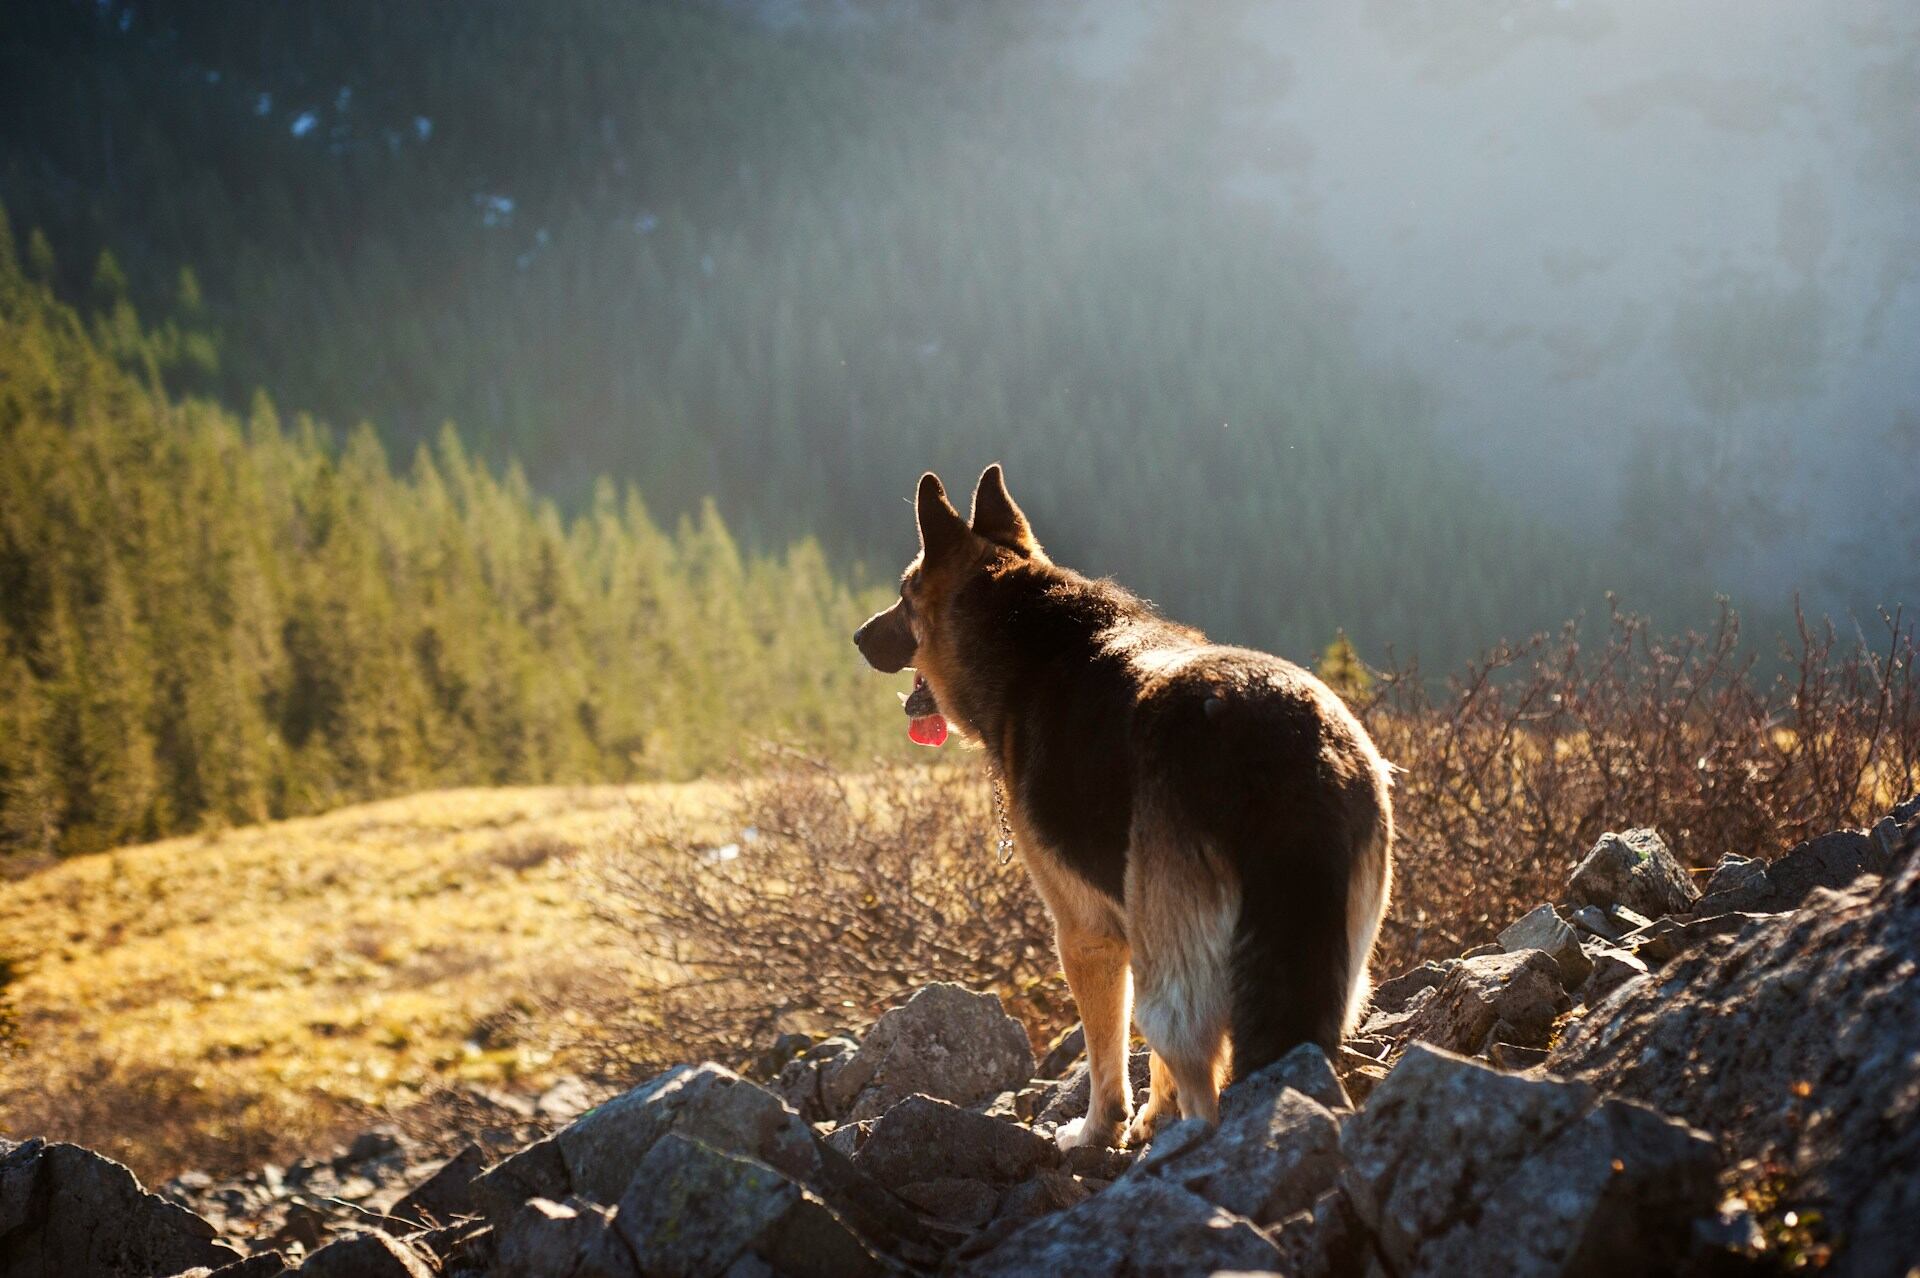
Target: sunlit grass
[{"x": 239, "y": 994}]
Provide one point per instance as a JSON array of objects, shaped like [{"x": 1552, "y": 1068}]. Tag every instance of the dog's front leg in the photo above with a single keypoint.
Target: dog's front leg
[
  {"x": 1102, "y": 984},
  {"x": 1162, "y": 1102}
]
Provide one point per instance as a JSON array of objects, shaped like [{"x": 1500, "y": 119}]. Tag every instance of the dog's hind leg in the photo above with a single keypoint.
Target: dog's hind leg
[
  {"x": 1162, "y": 1101},
  {"x": 1183, "y": 906}
]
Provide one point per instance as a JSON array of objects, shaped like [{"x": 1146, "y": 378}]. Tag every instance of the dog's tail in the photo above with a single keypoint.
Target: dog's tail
[{"x": 1308, "y": 908}]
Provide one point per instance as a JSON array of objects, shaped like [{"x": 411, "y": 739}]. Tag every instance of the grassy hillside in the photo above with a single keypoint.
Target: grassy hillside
[{"x": 215, "y": 1001}]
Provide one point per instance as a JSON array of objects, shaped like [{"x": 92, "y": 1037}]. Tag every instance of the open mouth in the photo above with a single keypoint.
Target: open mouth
[{"x": 925, "y": 724}]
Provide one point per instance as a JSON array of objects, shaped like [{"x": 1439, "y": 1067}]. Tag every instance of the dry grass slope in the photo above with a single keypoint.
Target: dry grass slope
[{"x": 215, "y": 1001}]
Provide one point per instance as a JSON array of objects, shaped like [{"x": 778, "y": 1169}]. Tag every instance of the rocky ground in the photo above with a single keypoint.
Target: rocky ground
[{"x": 1648, "y": 1077}]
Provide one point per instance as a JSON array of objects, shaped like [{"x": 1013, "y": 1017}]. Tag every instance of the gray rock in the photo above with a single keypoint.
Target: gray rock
[
  {"x": 926, "y": 1139},
  {"x": 945, "y": 1041},
  {"x": 1634, "y": 869},
  {"x": 954, "y": 1199},
  {"x": 1513, "y": 1055},
  {"x": 1829, "y": 861},
  {"x": 446, "y": 1194},
  {"x": 849, "y": 1137},
  {"x": 1069, "y": 1047},
  {"x": 1543, "y": 929},
  {"x": 1392, "y": 996},
  {"x": 1592, "y": 920},
  {"x": 1050, "y": 1191},
  {"x": 1735, "y": 872},
  {"x": 367, "y": 1255},
  {"x": 801, "y": 1081},
  {"x": 1068, "y": 1098},
  {"x": 65, "y": 1210},
  {"x": 693, "y": 1210},
  {"x": 1136, "y": 1228},
  {"x": 1612, "y": 968},
  {"x": 1305, "y": 1069},
  {"x": 1271, "y": 1159},
  {"x": 1099, "y": 1162},
  {"x": 574, "y": 1239},
  {"x": 1457, "y": 1168},
  {"x": 595, "y": 1156},
  {"x": 1792, "y": 1041},
  {"x": 1521, "y": 989}
]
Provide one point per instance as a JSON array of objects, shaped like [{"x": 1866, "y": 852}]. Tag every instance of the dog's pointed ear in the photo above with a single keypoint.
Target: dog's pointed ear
[
  {"x": 941, "y": 527},
  {"x": 996, "y": 518}
]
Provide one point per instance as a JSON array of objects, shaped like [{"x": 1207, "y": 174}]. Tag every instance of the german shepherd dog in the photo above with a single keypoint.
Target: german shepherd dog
[{"x": 1209, "y": 826}]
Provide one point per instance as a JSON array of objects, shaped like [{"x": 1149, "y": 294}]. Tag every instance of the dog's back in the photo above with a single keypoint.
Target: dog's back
[{"x": 1250, "y": 771}]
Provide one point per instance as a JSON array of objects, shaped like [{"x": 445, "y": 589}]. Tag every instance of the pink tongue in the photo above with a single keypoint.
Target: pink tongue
[{"x": 928, "y": 729}]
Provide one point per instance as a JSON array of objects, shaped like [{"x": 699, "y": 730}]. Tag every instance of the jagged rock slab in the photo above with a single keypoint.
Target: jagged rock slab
[
  {"x": 574, "y": 1239},
  {"x": 1273, "y": 1157},
  {"x": 923, "y": 1139},
  {"x": 801, "y": 1081},
  {"x": 693, "y": 1210},
  {"x": 1543, "y": 929},
  {"x": 1136, "y": 1228},
  {"x": 1798, "y": 1041},
  {"x": 65, "y": 1210},
  {"x": 444, "y": 1195},
  {"x": 1305, "y": 1069},
  {"x": 1830, "y": 861},
  {"x": 1519, "y": 992},
  {"x": 945, "y": 1041},
  {"x": 1457, "y": 1168},
  {"x": 1636, "y": 870},
  {"x": 595, "y": 1156}
]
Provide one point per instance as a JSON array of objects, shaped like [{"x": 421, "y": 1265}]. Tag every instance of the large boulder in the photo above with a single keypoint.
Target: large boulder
[
  {"x": 945, "y": 1041},
  {"x": 1134, "y": 1229},
  {"x": 1634, "y": 869},
  {"x": 65, "y": 1210},
  {"x": 594, "y": 1157},
  {"x": 1272, "y": 1157},
  {"x": 1795, "y": 1042},
  {"x": 1455, "y": 1168},
  {"x": 1832, "y": 860},
  {"x": 1519, "y": 994}
]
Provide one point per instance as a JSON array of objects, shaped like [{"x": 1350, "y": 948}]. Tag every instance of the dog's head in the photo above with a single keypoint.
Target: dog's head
[{"x": 914, "y": 631}]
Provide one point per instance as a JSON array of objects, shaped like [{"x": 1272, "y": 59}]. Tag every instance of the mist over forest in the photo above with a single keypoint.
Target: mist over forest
[{"x": 1432, "y": 323}]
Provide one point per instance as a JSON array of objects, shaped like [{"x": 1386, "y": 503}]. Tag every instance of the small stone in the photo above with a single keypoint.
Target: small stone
[
  {"x": 1512, "y": 1056},
  {"x": 446, "y": 1194},
  {"x": 1612, "y": 968},
  {"x": 1098, "y": 1162},
  {"x": 1543, "y": 929},
  {"x": 1592, "y": 920},
  {"x": 574, "y": 1239},
  {"x": 1048, "y": 1192},
  {"x": 1393, "y": 995}
]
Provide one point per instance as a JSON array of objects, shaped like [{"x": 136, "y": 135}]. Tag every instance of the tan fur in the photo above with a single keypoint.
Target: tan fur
[{"x": 1182, "y": 906}]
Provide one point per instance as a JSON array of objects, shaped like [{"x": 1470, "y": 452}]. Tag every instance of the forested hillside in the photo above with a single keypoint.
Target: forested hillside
[
  {"x": 206, "y": 619},
  {"x": 675, "y": 245}
]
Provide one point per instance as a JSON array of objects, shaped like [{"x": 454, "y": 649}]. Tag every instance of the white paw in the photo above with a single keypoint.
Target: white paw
[
  {"x": 1140, "y": 1130},
  {"x": 1077, "y": 1133}
]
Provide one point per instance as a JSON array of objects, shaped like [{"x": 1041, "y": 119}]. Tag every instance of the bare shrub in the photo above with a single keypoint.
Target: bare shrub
[
  {"x": 860, "y": 888},
  {"x": 845, "y": 891},
  {"x": 1539, "y": 748}
]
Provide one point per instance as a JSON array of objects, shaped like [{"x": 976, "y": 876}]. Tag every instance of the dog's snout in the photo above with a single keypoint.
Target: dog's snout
[{"x": 859, "y": 634}]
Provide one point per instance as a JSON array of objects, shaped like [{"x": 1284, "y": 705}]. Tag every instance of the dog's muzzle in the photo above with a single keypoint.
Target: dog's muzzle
[{"x": 886, "y": 641}]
